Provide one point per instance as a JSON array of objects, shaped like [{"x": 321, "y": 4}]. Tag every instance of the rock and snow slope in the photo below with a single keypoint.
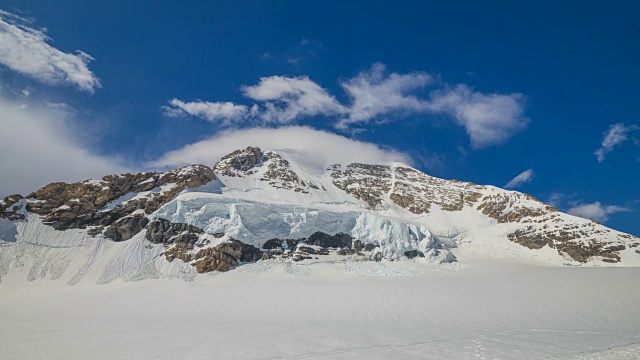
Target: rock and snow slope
[{"x": 287, "y": 205}]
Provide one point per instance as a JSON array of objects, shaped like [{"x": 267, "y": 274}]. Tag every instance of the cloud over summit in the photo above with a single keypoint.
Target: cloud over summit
[{"x": 326, "y": 146}]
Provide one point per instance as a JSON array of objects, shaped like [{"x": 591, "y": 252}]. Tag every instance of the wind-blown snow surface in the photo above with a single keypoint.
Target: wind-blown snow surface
[{"x": 275, "y": 310}]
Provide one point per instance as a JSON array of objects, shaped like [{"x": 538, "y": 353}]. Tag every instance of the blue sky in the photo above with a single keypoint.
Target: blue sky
[{"x": 482, "y": 91}]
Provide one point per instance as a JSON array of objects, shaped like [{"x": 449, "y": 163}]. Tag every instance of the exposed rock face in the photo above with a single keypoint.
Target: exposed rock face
[
  {"x": 513, "y": 207},
  {"x": 125, "y": 228},
  {"x": 280, "y": 176},
  {"x": 566, "y": 240},
  {"x": 319, "y": 244},
  {"x": 405, "y": 199},
  {"x": 408, "y": 188},
  {"x": 161, "y": 231},
  {"x": 267, "y": 166},
  {"x": 280, "y": 244},
  {"x": 450, "y": 195},
  {"x": 369, "y": 183},
  {"x": 239, "y": 162},
  {"x": 11, "y": 207},
  {"x": 222, "y": 257},
  {"x": 211, "y": 260},
  {"x": 104, "y": 202},
  {"x": 339, "y": 240},
  {"x": 240, "y": 250},
  {"x": 413, "y": 253},
  {"x": 182, "y": 251},
  {"x": 308, "y": 253}
]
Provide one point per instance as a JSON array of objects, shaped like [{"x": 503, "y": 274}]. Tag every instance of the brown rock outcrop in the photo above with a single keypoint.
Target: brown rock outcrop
[
  {"x": 10, "y": 208},
  {"x": 239, "y": 161},
  {"x": 161, "y": 231},
  {"x": 222, "y": 257},
  {"x": 87, "y": 203}
]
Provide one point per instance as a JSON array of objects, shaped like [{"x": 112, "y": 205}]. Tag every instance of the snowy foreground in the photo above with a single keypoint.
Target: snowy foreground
[{"x": 276, "y": 310}]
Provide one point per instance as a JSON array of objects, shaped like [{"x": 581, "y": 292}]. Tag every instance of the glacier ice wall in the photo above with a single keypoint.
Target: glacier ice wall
[{"x": 256, "y": 222}]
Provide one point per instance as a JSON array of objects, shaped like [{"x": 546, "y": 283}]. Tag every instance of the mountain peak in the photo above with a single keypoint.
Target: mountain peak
[
  {"x": 239, "y": 160},
  {"x": 257, "y": 204}
]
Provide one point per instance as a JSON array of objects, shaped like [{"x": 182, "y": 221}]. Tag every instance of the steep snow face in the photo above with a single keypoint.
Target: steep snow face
[{"x": 41, "y": 252}]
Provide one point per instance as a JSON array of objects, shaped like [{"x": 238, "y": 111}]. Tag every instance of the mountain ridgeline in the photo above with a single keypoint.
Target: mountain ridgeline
[{"x": 287, "y": 206}]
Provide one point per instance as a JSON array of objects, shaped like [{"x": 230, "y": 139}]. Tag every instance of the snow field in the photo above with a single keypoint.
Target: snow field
[{"x": 272, "y": 310}]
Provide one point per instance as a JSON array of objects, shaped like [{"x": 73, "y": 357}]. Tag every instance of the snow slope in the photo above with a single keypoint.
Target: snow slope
[{"x": 274, "y": 310}]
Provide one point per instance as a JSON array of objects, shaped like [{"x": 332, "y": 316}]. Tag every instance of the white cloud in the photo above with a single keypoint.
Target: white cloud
[
  {"x": 225, "y": 112},
  {"x": 373, "y": 93},
  {"x": 615, "y": 136},
  {"x": 290, "y": 98},
  {"x": 38, "y": 147},
  {"x": 24, "y": 49},
  {"x": 324, "y": 147},
  {"x": 556, "y": 199},
  {"x": 489, "y": 119},
  {"x": 282, "y": 101},
  {"x": 596, "y": 211},
  {"x": 521, "y": 179}
]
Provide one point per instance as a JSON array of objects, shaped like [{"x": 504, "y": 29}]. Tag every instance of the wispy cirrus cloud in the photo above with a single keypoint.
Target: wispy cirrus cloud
[
  {"x": 613, "y": 137},
  {"x": 225, "y": 112},
  {"x": 373, "y": 95},
  {"x": 556, "y": 199},
  {"x": 24, "y": 49},
  {"x": 521, "y": 179},
  {"x": 596, "y": 211}
]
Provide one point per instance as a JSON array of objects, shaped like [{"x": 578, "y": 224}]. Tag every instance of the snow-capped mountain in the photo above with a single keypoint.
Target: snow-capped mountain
[{"x": 256, "y": 205}]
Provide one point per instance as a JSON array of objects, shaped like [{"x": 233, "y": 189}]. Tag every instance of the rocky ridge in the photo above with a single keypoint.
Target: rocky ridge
[
  {"x": 418, "y": 192},
  {"x": 268, "y": 167},
  {"x": 12, "y": 207},
  {"x": 115, "y": 206}
]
